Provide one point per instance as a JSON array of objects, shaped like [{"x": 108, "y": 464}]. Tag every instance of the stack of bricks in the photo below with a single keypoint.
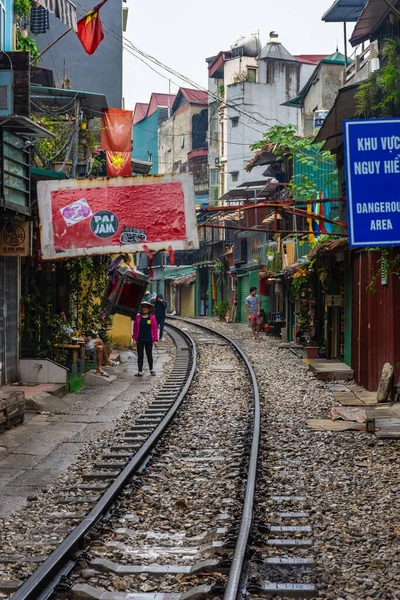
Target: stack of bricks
[{"x": 12, "y": 409}]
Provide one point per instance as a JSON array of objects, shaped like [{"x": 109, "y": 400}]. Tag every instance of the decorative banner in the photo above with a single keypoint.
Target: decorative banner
[
  {"x": 15, "y": 238},
  {"x": 372, "y": 150},
  {"x": 119, "y": 164},
  {"x": 108, "y": 216},
  {"x": 116, "y": 130}
]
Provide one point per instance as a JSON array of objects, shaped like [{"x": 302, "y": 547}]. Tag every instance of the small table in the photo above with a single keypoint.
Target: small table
[{"x": 78, "y": 351}]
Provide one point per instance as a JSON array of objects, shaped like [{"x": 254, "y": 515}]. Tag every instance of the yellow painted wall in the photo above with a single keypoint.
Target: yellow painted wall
[
  {"x": 187, "y": 301},
  {"x": 121, "y": 331}
]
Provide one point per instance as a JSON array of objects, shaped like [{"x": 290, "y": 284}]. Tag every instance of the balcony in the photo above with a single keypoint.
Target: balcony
[{"x": 364, "y": 62}]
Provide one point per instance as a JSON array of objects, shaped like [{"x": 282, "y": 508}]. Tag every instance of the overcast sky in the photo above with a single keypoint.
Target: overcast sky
[{"x": 182, "y": 33}]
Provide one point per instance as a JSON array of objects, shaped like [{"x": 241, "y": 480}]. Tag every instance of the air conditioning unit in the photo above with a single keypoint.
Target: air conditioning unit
[{"x": 6, "y": 93}]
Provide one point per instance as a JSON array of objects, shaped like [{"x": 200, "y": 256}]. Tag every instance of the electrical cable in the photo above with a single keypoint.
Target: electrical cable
[{"x": 134, "y": 51}]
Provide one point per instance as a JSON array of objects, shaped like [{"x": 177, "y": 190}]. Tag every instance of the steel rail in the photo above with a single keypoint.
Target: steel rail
[
  {"x": 236, "y": 570},
  {"x": 46, "y": 577}
]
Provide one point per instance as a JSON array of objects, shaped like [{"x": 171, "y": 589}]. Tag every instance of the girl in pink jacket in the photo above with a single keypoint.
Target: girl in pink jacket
[{"x": 145, "y": 334}]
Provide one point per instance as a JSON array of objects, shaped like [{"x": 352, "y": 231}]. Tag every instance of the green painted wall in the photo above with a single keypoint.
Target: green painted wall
[{"x": 348, "y": 300}]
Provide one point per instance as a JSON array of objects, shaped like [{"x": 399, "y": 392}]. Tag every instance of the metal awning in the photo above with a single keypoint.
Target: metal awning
[
  {"x": 344, "y": 11},
  {"x": 248, "y": 191},
  {"x": 60, "y": 98},
  {"x": 371, "y": 17},
  {"x": 46, "y": 174},
  {"x": 344, "y": 108},
  {"x": 24, "y": 127}
]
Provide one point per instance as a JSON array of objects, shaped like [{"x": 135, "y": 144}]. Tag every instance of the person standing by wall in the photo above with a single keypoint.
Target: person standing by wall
[
  {"x": 253, "y": 312},
  {"x": 145, "y": 334},
  {"x": 160, "y": 307}
]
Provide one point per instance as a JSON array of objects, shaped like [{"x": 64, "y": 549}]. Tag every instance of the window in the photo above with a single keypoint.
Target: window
[
  {"x": 15, "y": 170},
  {"x": 251, "y": 74},
  {"x": 235, "y": 175},
  {"x": 222, "y": 138},
  {"x": 214, "y": 185},
  {"x": 182, "y": 140},
  {"x": 235, "y": 121}
]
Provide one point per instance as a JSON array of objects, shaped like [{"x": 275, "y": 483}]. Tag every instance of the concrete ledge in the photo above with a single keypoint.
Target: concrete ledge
[{"x": 330, "y": 370}]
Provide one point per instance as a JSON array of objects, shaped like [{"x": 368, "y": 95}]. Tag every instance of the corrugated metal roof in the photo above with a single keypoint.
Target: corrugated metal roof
[
  {"x": 344, "y": 10},
  {"x": 276, "y": 51},
  {"x": 61, "y": 97},
  {"x": 140, "y": 111},
  {"x": 374, "y": 13},
  {"x": 159, "y": 100},
  {"x": 191, "y": 96},
  {"x": 309, "y": 59},
  {"x": 195, "y": 96}
]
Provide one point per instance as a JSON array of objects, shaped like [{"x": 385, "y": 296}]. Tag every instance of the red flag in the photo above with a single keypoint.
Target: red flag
[
  {"x": 116, "y": 130},
  {"x": 118, "y": 164},
  {"x": 90, "y": 30}
]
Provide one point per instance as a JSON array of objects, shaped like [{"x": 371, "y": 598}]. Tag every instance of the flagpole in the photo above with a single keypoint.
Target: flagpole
[{"x": 51, "y": 45}]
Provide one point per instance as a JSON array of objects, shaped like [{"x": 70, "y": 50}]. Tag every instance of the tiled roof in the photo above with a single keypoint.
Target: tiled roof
[
  {"x": 140, "y": 111},
  {"x": 310, "y": 59}
]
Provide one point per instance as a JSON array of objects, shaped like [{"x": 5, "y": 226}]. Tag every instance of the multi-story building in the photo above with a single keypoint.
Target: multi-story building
[
  {"x": 69, "y": 62},
  {"x": 147, "y": 119},
  {"x": 248, "y": 87},
  {"x": 182, "y": 140}
]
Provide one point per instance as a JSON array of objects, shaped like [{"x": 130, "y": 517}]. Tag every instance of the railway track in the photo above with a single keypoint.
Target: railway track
[{"x": 175, "y": 516}]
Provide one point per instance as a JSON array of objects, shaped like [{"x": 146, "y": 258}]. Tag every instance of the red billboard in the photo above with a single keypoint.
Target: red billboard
[{"x": 107, "y": 216}]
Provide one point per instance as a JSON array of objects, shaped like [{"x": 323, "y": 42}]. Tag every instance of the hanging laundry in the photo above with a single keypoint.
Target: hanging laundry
[
  {"x": 63, "y": 10},
  {"x": 39, "y": 19}
]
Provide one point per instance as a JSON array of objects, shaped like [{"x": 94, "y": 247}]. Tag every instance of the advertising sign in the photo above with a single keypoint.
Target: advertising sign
[
  {"x": 372, "y": 159},
  {"x": 107, "y": 216},
  {"x": 15, "y": 238}
]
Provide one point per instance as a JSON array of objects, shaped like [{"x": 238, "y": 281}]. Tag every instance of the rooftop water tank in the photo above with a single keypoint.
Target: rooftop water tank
[{"x": 246, "y": 46}]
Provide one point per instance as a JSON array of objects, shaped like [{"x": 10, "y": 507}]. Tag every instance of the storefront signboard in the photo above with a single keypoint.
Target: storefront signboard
[
  {"x": 15, "y": 238},
  {"x": 372, "y": 159},
  {"x": 107, "y": 216}
]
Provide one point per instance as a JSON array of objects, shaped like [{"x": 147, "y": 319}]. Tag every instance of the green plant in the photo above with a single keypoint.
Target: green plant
[
  {"x": 22, "y": 8},
  {"x": 88, "y": 282},
  {"x": 283, "y": 140},
  {"x": 379, "y": 95},
  {"x": 27, "y": 44},
  {"x": 221, "y": 308},
  {"x": 219, "y": 268}
]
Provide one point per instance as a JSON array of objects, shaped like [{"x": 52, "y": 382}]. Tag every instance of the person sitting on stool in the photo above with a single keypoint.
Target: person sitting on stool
[{"x": 96, "y": 350}]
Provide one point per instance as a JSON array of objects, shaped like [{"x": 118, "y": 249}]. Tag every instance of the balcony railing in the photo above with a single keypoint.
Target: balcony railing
[{"x": 364, "y": 61}]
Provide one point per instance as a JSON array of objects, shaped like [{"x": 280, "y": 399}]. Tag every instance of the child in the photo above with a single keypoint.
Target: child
[{"x": 145, "y": 334}]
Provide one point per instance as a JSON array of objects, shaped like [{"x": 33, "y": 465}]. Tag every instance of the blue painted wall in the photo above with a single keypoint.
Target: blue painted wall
[
  {"x": 145, "y": 138},
  {"x": 9, "y": 26},
  {"x": 99, "y": 73}
]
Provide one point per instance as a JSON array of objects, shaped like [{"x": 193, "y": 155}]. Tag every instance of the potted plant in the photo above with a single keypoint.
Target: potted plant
[
  {"x": 312, "y": 352},
  {"x": 221, "y": 308}
]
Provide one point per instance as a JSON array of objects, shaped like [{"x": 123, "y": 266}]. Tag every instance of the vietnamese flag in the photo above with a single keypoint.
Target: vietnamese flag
[
  {"x": 90, "y": 30},
  {"x": 118, "y": 164},
  {"x": 116, "y": 130}
]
